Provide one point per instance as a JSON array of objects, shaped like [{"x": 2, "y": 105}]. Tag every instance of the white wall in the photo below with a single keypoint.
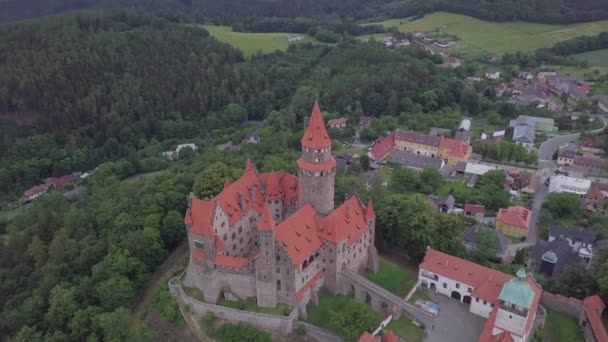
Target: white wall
[
  {"x": 450, "y": 285},
  {"x": 479, "y": 308},
  {"x": 510, "y": 321}
]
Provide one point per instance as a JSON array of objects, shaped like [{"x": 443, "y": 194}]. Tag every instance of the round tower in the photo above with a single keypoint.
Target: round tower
[{"x": 317, "y": 166}]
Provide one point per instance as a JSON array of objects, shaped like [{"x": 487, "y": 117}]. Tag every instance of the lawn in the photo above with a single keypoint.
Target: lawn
[
  {"x": 561, "y": 328},
  {"x": 480, "y": 37},
  {"x": 406, "y": 329},
  {"x": 250, "y": 43},
  {"x": 393, "y": 277},
  {"x": 420, "y": 294},
  {"x": 279, "y": 310}
]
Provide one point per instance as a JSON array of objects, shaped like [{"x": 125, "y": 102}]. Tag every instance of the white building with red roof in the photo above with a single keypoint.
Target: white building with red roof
[
  {"x": 277, "y": 237},
  {"x": 509, "y": 303}
]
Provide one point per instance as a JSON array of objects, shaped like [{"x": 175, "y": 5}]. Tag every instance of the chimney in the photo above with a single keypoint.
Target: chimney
[
  {"x": 252, "y": 193},
  {"x": 242, "y": 200},
  {"x": 347, "y": 213},
  {"x": 446, "y": 263}
]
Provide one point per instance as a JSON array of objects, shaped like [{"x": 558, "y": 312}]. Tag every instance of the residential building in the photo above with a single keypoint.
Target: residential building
[
  {"x": 253, "y": 138},
  {"x": 383, "y": 147},
  {"x": 565, "y": 156},
  {"x": 34, "y": 192},
  {"x": 492, "y": 75},
  {"x": 475, "y": 210},
  {"x": 454, "y": 151},
  {"x": 581, "y": 241},
  {"x": 514, "y": 221},
  {"x": 602, "y": 102},
  {"x": 389, "y": 336},
  {"x": 415, "y": 162},
  {"x": 444, "y": 205},
  {"x": 591, "y": 145},
  {"x": 545, "y": 125},
  {"x": 525, "y": 75},
  {"x": 477, "y": 169},
  {"x": 417, "y": 143},
  {"x": 567, "y": 184},
  {"x": 589, "y": 162},
  {"x": 544, "y": 74},
  {"x": 278, "y": 237},
  {"x": 524, "y": 135},
  {"x": 364, "y": 121},
  {"x": 440, "y": 132},
  {"x": 473, "y": 235},
  {"x": 338, "y": 123},
  {"x": 551, "y": 258},
  {"x": 509, "y": 303},
  {"x": 463, "y": 135},
  {"x": 451, "y": 62},
  {"x": 597, "y": 194},
  {"x": 292, "y": 38}
]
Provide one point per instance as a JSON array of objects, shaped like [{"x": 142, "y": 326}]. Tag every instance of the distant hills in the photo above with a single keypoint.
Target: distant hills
[{"x": 229, "y": 11}]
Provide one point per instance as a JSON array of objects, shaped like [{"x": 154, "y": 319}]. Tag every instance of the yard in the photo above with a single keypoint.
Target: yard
[
  {"x": 480, "y": 37},
  {"x": 561, "y": 328},
  {"x": 420, "y": 294},
  {"x": 279, "y": 310},
  {"x": 405, "y": 328},
  {"x": 393, "y": 277},
  {"x": 250, "y": 43}
]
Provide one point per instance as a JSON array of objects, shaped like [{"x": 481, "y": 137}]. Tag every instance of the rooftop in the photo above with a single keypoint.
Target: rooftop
[
  {"x": 383, "y": 147},
  {"x": 517, "y": 291},
  {"x": 456, "y": 147},
  {"x": 418, "y": 138},
  {"x": 415, "y": 160},
  {"x": 473, "y": 234},
  {"x": 515, "y": 216},
  {"x": 573, "y": 234},
  {"x": 316, "y": 135}
]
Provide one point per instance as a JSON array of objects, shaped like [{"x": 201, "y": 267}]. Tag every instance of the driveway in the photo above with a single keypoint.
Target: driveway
[{"x": 454, "y": 323}]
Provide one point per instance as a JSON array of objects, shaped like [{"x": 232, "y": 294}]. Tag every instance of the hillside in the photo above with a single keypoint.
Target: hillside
[{"x": 480, "y": 37}]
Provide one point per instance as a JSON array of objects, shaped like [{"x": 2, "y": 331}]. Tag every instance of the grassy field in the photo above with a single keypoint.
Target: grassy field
[
  {"x": 481, "y": 37},
  {"x": 279, "y": 310},
  {"x": 406, "y": 329},
  {"x": 393, "y": 277},
  {"x": 319, "y": 314},
  {"x": 561, "y": 328},
  {"x": 597, "y": 58},
  {"x": 250, "y": 43}
]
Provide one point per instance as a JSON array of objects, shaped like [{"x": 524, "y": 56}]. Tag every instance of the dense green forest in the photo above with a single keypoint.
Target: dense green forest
[{"x": 231, "y": 11}]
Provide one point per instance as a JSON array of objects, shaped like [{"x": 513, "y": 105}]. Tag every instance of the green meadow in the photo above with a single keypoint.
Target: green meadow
[
  {"x": 597, "y": 58},
  {"x": 251, "y": 43},
  {"x": 479, "y": 37}
]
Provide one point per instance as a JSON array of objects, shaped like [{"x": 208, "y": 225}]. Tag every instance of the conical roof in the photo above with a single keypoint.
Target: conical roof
[
  {"x": 267, "y": 222},
  {"x": 370, "y": 214},
  {"x": 316, "y": 135},
  {"x": 249, "y": 166}
]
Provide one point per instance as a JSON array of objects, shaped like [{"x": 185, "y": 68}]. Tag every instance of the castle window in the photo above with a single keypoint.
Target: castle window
[
  {"x": 233, "y": 236},
  {"x": 276, "y": 201},
  {"x": 225, "y": 237},
  {"x": 223, "y": 224},
  {"x": 240, "y": 230},
  {"x": 233, "y": 247},
  {"x": 317, "y": 160},
  {"x": 278, "y": 285},
  {"x": 278, "y": 270},
  {"x": 278, "y": 258},
  {"x": 199, "y": 245}
]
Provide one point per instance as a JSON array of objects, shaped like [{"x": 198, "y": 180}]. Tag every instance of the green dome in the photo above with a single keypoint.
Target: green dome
[
  {"x": 549, "y": 257},
  {"x": 517, "y": 291}
]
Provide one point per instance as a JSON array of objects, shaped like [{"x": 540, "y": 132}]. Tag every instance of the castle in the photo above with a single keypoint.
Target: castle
[{"x": 277, "y": 238}]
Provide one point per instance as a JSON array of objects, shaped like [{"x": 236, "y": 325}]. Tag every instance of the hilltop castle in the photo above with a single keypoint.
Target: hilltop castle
[{"x": 277, "y": 238}]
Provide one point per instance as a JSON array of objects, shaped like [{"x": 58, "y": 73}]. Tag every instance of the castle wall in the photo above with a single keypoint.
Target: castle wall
[
  {"x": 330, "y": 259},
  {"x": 305, "y": 274},
  {"x": 212, "y": 282},
  {"x": 317, "y": 188},
  {"x": 287, "y": 276},
  {"x": 240, "y": 238}
]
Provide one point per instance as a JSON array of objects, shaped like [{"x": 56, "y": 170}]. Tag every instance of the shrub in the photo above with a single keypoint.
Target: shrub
[
  {"x": 241, "y": 332},
  {"x": 166, "y": 305},
  {"x": 301, "y": 330},
  {"x": 209, "y": 323}
]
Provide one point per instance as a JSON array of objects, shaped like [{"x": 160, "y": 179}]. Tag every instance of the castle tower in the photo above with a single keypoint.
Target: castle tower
[
  {"x": 265, "y": 265},
  {"x": 317, "y": 166},
  {"x": 515, "y": 302}
]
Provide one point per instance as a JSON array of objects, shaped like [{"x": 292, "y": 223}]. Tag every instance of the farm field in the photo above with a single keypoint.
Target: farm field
[
  {"x": 480, "y": 37},
  {"x": 251, "y": 43},
  {"x": 597, "y": 58}
]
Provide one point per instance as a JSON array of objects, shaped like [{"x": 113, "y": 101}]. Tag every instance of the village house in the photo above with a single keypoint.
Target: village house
[
  {"x": 602, "y": 102},
  {"x": 443, "y": 205},
  {"x": 338, "y": 123},
  {"x": 383, "y": 147},
  {"x": 525, "y": 75},
  {"x": 253, "y": 138},
  {"x": 440, "y": 132},
  {"x": 524, "y": 135},
  {"x": 454, "y": 151},
  {"x": 34, "y": 192},
  {"x": 597, "y": 194},
  {"x": 277, "y": 237},
  {"x": 492, "y": 75},
  {"x": 475, "y": 234},
  {"x": 389, "y": 336},
  {"x": 292, "y": 38},
  {"x": 509, "y": 303},
  {"x": 565, "y": 156},
  {"x": 365, "y": 121},
  {"x": 417, "y": 143},
  {"x": 560, "y": 183},
  {"x": 591, "y": 163},
  {"x": 452, "y": 62},
  {"x": 415, "y": 162},
  {"x": 544, "y": 125},
  {"x": 475, "y": 210},
  {"x": 514, "y": 221},
  {"x": 591, "y": 145}
]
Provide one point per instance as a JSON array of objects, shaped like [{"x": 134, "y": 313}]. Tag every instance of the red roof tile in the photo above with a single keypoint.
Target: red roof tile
[
  {"x": 370, "y": 214},
  {"x": 66, "y": 180},
  {"x": 38, "y": 189},
  {"x": 226, "y": 183},
  {"x": 594, "y": 306},
  {"x": 316, "y": 135},
  {"x": 298, "y": 234},
  {"x": 367, "y": 337},
  {"x": 345, "y": 222},
  {"x": 474, "y": 208},
  {"x": 311, "y": 283},
  {"x": 328, "y": 165},
  {"x": 199, "y": 216},
  {"x": 219, "y": 245},
  {"x": 234, "y": 262},
  {"x": 516, "y": 216},
  {"x": 337, "y": 122},
  {"x": 249, "y": 166},
  {"x": 456, "y": 147},
  {"x": 592, "y": 162},
  {"x": 199, "y": 255},
  {"x": 267, "y": 222},
  {"x": 280, "y": 185},
  {"x": 390, "y": 337},
  {"x": 486, "y": 281},
  {"x": 383, "y": 147}
]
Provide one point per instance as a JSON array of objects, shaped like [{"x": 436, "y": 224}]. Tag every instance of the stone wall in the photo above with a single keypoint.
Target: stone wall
[
  {"x": 284, "y": 324},
  {"x": 318, "y": 333},
  {"x": 566, "y": 305}
]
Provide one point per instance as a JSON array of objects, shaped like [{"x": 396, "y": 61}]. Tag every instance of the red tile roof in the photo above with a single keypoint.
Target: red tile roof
[
  {"x": 38, "y": 189},
  {"x": 390, "y": 337},
  {"x": 474, "y": 209},
  {"x": 516, "y": 216},
  {"x": 267, "y": 222},
  {"x": 298, "y": 235},
  {"x": 199, "y": 255},
  {"x": 370, "y": 214},
  {"x": 311, "y": 283},
  {"x": 199, "y": 216},
  {"x": 234, "y": 262},
  {"x": 383, "y": 147},
  {"x": 249, "y": 166},
  {"x": 226, "y": 183},
  {"x": 367, "y": 337},
  {"x": 487, "y": 282},
  {"x": 316, "y": 135},
  {"x": 345, "y": 222},
  {"x": 219, "y": 245},
  {"x": 456, "y": 147},
  {"x": 66, "y": 180},
  {"x": 280, "y": 185},
  {"x": 594, "y": 306},
  {"x": 592, "y": 162},
  {"x": 591, "y": 143},
  {"x": 337, "y": 122},
  {"x": 325, "y": 166}
]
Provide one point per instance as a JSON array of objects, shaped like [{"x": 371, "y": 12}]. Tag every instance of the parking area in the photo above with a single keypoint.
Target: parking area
[{"x": 454, "y": 323}]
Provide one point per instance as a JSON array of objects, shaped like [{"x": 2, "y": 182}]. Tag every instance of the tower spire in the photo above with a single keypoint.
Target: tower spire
[{"x": 316, "y": 135}]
